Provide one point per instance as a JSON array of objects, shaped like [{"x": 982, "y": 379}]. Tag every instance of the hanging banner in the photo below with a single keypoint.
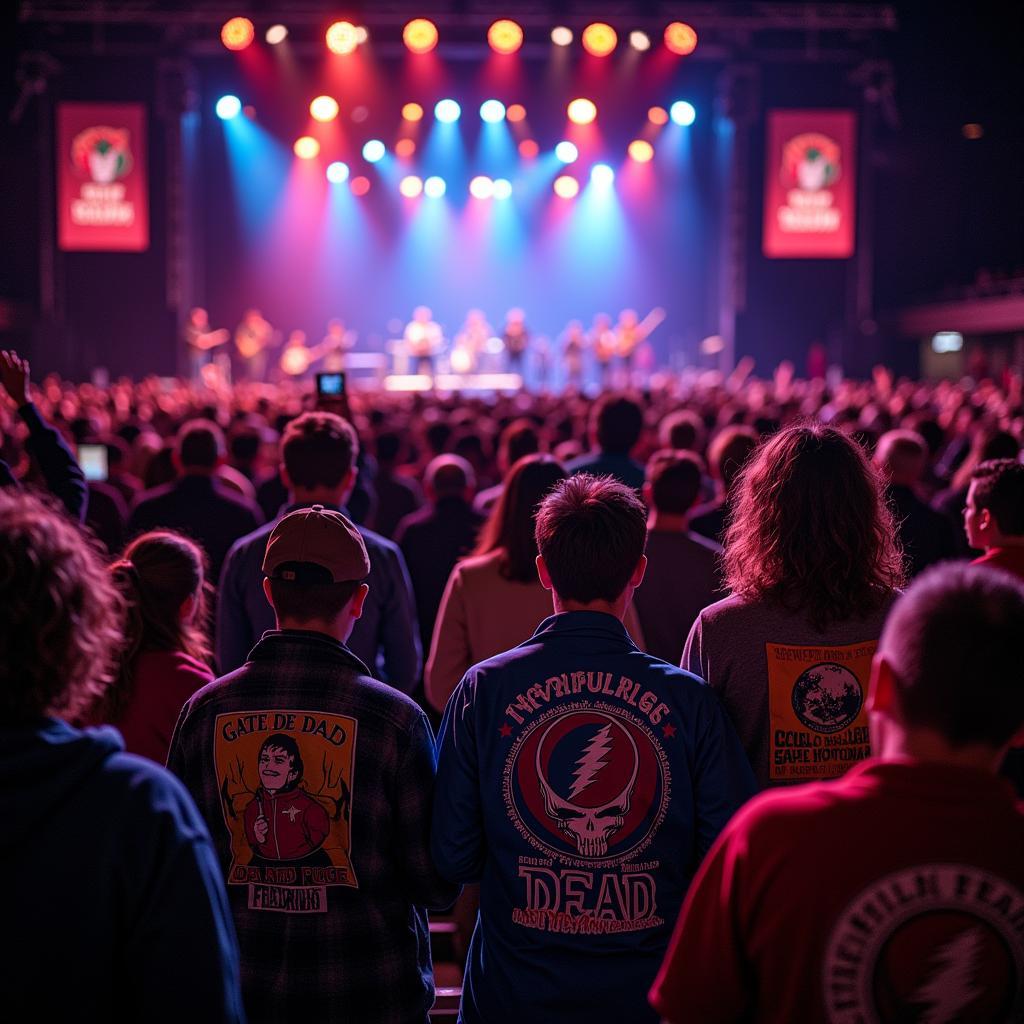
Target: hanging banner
[
  {"x": 809, "y": 195},
  {"x": 102, "y": 185}
]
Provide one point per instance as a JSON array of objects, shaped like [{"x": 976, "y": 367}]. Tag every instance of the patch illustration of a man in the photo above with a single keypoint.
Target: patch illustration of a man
[{"x": 282, "y": 821}]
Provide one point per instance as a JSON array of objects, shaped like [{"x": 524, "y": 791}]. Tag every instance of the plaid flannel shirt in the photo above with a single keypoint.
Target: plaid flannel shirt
[{"x": 317, "y": 782}]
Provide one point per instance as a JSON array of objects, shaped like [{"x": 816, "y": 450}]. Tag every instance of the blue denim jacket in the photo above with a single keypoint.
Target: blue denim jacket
[{"x": 580, "y": 781}]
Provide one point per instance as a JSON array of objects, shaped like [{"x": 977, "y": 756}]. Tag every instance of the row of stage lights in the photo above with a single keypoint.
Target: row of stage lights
[
  {"x": 504, "y": 36},
  {"x": 565, "y": 186}
]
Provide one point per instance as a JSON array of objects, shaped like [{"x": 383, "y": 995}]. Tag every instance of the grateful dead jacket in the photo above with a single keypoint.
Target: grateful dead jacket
[{"x": 580, "y": 781}]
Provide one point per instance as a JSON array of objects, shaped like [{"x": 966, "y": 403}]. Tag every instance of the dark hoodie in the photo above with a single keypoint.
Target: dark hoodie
[{"x": 113, "y": 899}]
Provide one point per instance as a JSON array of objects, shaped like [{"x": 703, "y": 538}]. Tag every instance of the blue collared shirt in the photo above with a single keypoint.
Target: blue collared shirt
[
  {"x": 580, "y": 781},
  {"x": 386, "y": 637}
]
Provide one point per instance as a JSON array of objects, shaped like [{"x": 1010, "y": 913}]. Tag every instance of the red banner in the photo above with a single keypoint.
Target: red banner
[
  {"x": 809, "y": 193},
  {"x": 102, "y": 187}
]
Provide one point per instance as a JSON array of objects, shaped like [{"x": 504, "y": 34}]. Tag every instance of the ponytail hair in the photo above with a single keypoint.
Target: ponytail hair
[{"x": 156, "y": 575}]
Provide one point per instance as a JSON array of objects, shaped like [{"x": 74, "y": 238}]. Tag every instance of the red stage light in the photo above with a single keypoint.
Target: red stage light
[
  {"x": 566, "y": 187},
  {"x": 405, "y": 148},
  {"x": 517, "y": 112},
  {"x": 641, "y": 151},
  {"x": 237, "y": 33},
  {"x": 599, "y": 39},
  {"x": 360, "y": 186},
  {"x": 657, "y": 115},
  {"x": 306, "y": 147},
  {"x": 505, "y": 36},
  {"x": 420, "y": 35},
  {"x": 342, "y": 37},
  {"x": 680, "y": 38},
  {"x": 581, "y": 111},
  {"x": 528, "y": 149},
  {"x": 324, "y": 108}
]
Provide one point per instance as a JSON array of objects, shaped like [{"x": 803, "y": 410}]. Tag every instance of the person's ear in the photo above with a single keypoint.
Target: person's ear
[
  {"x": 355, "y": 608},
  {"x": 542, "y": 573},
  {"x": 638, "y": 573},
  {"x": 266, "y": 591},
  {"x": 286, "y": 480},
  {"x": 984, "y": 518},
  {"x": 647, "y": 492},
  {"x": 187, "y": 609},
  {"x": 882, "y": 686},
  {"x": 349, "y": 480}
]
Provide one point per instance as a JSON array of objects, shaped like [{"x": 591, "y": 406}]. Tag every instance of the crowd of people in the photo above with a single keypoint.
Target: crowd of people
[{"x": 726, "y": 680}]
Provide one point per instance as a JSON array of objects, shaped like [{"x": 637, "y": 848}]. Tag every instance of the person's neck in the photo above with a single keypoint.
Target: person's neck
[
  {"x": 616, "y": 608},
  {"x": 329, "y": 497},
  {"x": 897, "y": 742},
  {"x": 338, "y": 630},
  {"x": 667, "y": 522},
  {"x": 1005, "y": 540}
]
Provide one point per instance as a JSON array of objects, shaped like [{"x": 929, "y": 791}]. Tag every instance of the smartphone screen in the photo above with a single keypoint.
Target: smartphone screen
[
  {"x": 330, "y": 383},
  {"x": 93, "y": 460}
]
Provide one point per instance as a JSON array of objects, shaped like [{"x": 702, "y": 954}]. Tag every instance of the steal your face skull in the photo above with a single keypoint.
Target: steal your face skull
[{"x": 590, "y": 828}]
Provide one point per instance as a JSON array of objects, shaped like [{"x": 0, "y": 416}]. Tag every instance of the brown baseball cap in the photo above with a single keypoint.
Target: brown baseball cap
[{"x": 316, "y": 545}]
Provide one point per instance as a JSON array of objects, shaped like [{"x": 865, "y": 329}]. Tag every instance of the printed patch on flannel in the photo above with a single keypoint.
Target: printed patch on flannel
[{"x": 286, "y": 785}]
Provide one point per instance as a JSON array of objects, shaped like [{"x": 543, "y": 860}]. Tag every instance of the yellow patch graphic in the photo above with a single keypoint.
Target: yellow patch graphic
[
  {"x": 816, "y": 705},
  {"x": 286, "y": 787}
]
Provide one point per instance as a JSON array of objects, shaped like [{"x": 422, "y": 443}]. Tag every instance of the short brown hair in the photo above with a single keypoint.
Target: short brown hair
[
  {"x": 729, "y": 451},
  {"x": 591, "y": 532},
  {"x": 304, "y": 602},
  {"x": 318, "y": 449},
  {"x": 674, "y": 478},
  {"x": 59, "y": 630},
  {"x": 954, "y": 643},
  {"x": 999, "y": 487}
]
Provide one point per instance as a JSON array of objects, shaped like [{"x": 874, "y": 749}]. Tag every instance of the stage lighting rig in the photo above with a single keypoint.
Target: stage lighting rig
[
  {"x": 599, "y": 39},
  {"x": 420, "y": 35},
  {"x": 505, "y": 36},
  {"x": 237, "y": 33},
  {"x": 581, "y": 111},
  {"x": 276, "y": 34},
  {"x": 680, "y": 38}
]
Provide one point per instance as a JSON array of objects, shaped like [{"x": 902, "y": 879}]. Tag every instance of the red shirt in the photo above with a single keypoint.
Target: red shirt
[
  {"x": 893, "y": 893},
  {"x": 1010, "y": 559},
  {"x": 164, "y": 680}
]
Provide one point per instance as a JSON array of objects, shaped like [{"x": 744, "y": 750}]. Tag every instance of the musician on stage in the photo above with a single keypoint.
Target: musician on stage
[
  {"x": 471, "y": 342},
  {"x": 516, "y": 337},
  {"x": 253, "y": 338},
  {"x": 295, "y": 356},
  {"x": 423, "y": 339},
  {"x": 631, "y": 332},
  {"x": 573, "y": 343},
  {"x": 603, "y": 341},
  {"x": 200, "y": 341},
  {"x": 336, "y": 345}
]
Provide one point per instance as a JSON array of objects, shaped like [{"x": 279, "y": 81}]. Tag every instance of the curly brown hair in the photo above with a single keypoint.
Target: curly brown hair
[
  {"x": 61, "y": 615},
  {"x": 810, "y": 528}
]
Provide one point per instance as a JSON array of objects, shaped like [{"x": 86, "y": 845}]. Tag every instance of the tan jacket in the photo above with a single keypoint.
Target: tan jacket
[{"x": 481, "y": 615}]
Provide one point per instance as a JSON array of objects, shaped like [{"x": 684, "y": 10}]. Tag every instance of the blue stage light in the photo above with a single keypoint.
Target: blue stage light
[
  {"x": 492, "y": 111},
  {"x": 683, "y": 113},
  {"x": 602, "y": 175},
  {"x": 337, "y": 172},
  {"x": 373, "y": 151},
  {"x": 502, "y": 188},
  {"x": 228, "y": 107},
  {"x": 434, "y": 187},
  {"x": 447, "y": 111},
  {"x": 567, "y": 152}
]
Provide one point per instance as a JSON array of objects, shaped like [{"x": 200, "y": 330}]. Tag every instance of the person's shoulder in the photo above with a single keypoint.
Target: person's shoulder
[
  {"x": 728, "y": 609},
  {"x": 152, "y": 788},
  {"x": 704, "y": 546},
  {"x": 176, "y": 663},
  {"x": 152, "y": 497},
  {"x": 479, "y": 567},
  {"x": 376, "y": 542},
  {"x": 254, "y": 539},
  {"x": 228, "y": 497}
]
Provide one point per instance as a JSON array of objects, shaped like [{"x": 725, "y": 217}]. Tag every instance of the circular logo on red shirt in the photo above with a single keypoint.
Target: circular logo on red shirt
[
  {"x": 937, "y": 943},
  {"x": 587, "y": 785}
]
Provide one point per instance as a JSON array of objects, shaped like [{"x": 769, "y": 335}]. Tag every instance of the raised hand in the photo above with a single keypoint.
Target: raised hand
[{"x": 14, "y": 376}]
